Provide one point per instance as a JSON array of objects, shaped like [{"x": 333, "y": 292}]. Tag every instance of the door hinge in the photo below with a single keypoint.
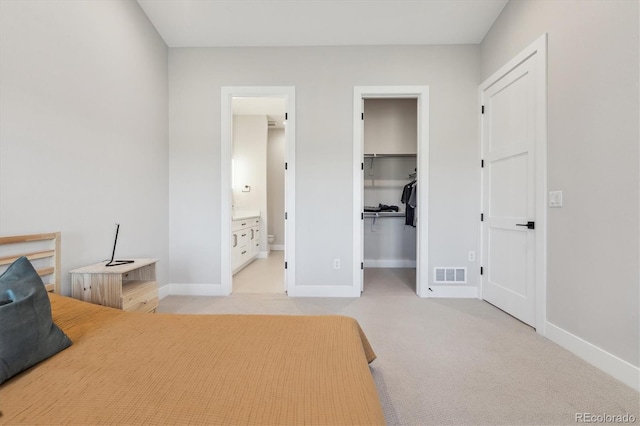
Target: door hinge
[
  {"x": 361, "y": 166},
  {"x": 361, "y": 216},
  {"x": 286, "y": 116},
  {"x": 481, "y": 217},
  {"x": 482, "y": 110},
  {"x": 361, "y": 265},
  {"x": 481, "y": 163},
  {"x": 481, "y": 270},
  {"x": 286, "y": 166},
  {"x": 285, "y": 265},
  {"x": 362, "y": 116},
  {"x": 285, "y": 216}
]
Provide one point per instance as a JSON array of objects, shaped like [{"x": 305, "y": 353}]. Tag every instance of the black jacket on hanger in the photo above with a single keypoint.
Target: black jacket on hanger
[{"x": 410, "y": 210}]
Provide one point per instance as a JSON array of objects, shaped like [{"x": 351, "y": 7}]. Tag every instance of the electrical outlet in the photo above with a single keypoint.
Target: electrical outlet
[
  {"x": 336, "y": 263},
  {"x": 472, "y": 256}
]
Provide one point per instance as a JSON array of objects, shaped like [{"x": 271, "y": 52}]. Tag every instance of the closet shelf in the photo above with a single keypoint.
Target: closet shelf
[
  {"x": 384, "y": 214},
  {"x": 394, "y": 187},
  {"x": 389, "y": 155}
]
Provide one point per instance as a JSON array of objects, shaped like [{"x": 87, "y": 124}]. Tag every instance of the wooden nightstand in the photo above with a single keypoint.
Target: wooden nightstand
[{"x": 131, "y": 287}]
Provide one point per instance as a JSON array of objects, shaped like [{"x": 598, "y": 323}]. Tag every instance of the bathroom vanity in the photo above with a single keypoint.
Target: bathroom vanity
[{"x": 245, "y": 240}]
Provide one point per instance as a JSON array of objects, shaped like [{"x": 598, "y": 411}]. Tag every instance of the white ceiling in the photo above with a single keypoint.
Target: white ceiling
[{"x": 217, "y": 23}]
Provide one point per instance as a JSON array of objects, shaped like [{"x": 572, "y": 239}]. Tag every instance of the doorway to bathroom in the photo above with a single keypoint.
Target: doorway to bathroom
[
  {"x": 258, "y": 156},
  {"x": 258, "y": 142}
]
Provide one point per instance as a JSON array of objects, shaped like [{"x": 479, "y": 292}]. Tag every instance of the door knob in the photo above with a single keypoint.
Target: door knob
[{"x": 529, "y": 225}]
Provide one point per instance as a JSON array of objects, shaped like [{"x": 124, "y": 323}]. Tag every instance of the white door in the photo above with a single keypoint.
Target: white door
[{"x": 509, "y": 191}]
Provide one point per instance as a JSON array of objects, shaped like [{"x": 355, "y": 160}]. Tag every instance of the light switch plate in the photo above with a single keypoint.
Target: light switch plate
[{"x": 555, "y": 198}]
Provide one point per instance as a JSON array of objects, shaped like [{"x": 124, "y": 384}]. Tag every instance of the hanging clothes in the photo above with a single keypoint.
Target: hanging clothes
[
  {"x": 409, "y": 197},
  {"x": 413, "y": 203}
]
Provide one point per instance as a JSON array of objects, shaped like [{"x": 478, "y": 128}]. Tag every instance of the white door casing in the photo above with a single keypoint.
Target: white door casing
[
  {"x": 421, "y": 93},
  {"x": 513, "y": 146},
  {"x": 226, "y": 126}
]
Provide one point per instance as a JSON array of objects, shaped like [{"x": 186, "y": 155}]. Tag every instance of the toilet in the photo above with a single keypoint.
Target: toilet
[{"x": 271, "y": 238}]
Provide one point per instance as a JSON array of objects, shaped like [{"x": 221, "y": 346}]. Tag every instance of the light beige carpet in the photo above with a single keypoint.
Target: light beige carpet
[{"x": 450, "y": 361}]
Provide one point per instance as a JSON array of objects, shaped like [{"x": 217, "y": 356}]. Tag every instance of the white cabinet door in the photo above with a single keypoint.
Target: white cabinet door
[
  {"x": 256, "y": 240},
  {"x": 244, "y": 246},
  {"x": 240, "y": 243},
  {"x": 235, "y": 250},
  {"x": 245, "y": 242}
]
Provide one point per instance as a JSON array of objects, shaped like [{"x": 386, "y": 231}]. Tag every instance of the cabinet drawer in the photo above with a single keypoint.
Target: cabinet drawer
[
  {"x": 140, "y": 296},
  {"x": 236, "y": 225},
  {"x": 244, "y": 236},
  {"x": 244, "y": 253}
]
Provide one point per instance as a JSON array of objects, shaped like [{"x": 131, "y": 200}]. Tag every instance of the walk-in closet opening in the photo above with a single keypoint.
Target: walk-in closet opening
[
  {"x": 258, "y": 188},
  {"x": 390, "y": 194}
]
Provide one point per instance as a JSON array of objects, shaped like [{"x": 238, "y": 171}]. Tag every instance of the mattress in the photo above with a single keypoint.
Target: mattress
[{"x": 131, "y": 368}]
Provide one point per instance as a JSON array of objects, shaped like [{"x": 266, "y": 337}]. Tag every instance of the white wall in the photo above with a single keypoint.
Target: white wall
[
  {"x": 390, "y": 126},
  {"x": 389, "y": 243},
  {"x": 593, "y": 133},
  {"x": 275, "y": 184},
  {"x": 324, "y": 78},
  {"x": 249, "y": 153},
  {"x": 385, "y": 178},
  {"x": 83, "y": 133},
  {"x": 387, "y": 240}
]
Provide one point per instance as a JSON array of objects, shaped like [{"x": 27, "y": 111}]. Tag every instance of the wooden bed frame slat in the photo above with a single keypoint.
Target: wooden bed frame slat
[
  {"x": 15, "y": 239},
  {"x": 46, "y": 271},
  {"x": 32, "y": 255}
]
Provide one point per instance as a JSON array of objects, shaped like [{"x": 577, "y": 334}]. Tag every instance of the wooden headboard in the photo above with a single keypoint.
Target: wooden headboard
[{"x": 43, "y": 250}]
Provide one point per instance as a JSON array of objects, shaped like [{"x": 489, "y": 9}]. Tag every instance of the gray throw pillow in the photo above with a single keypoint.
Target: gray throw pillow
[{"x": 28, "y": 334}]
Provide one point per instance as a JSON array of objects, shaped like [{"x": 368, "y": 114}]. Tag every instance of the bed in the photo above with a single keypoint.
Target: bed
[{"x": 132, "y": 368}]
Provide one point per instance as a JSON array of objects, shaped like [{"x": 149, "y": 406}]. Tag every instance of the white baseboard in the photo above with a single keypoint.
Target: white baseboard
[
  {"x": 323, "y": 291},
  {"x": 277, "y": 247},
  {"x": 164, "y": 291},
  {"x": 389, "y": 263},
  {"x": 620, "y": 369},
  {"x": 452, "y": 291},
  {"x": 216, "y": 290},
  {"x": 190, "y": 290}
]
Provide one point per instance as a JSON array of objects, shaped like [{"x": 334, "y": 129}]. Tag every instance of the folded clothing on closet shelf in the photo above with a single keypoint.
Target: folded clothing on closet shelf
[
  {"x": 381, "y": 208},
  {"x": 386, "y": 208}
]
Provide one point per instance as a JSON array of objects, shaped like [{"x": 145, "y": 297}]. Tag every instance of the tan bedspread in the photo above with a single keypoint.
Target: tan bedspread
[{"x": 126, "y": 368}]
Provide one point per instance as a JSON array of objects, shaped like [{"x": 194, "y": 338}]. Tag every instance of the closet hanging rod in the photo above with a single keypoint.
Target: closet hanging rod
[{"x": 389, "y": 155}]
